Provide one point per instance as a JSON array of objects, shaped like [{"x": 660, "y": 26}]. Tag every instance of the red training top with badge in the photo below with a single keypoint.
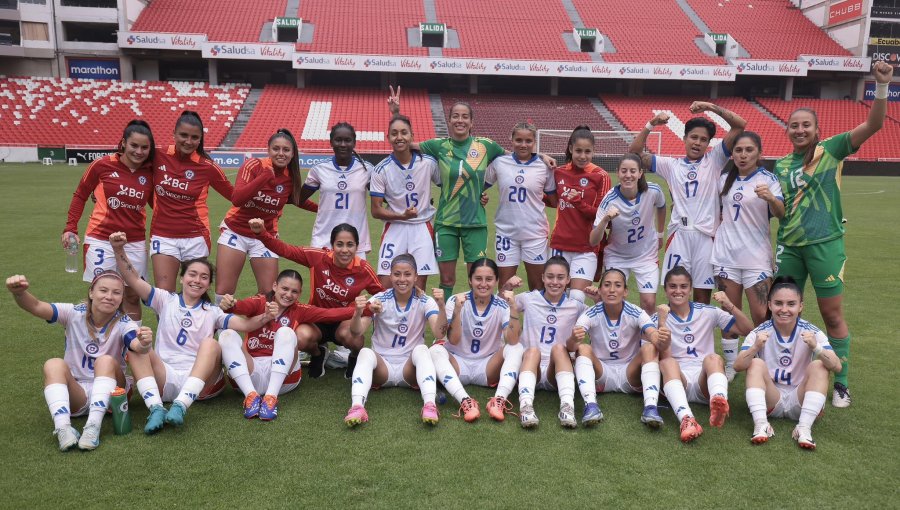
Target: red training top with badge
[
  {"x": 575, "y": 216},
  {"x": 121, "y": 195},
  {"x": 182, "y": 186},
  {"x": 260, "y": 191}
]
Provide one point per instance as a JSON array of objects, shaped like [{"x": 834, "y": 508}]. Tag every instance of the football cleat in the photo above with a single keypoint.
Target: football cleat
[
  {"x": 317, "y": 363},
  {"x": 690, "y": 429},
  {"x": 803, "y": 436},
  {"x": 567, "y": 416},
  {"x": 498, "y": 407},
  {"x": 356, "y": 415},
  {"x": 67, "y": 436},
  {"x": 268, "y": 408},
  {"x": 592, "y": 415},
  {"x": 469, "y": 410},
  {"x": 761, "y": 433},
  {"x": 156, "y": 420},
  {"x": 175, "y": 414},
  {"x": 528, "y": 417},
  {"x": 841, "y": 396},
  {"x": 430, "y": 413},
  {"x": 251, "y": 405},
  {"x": 651, "y": 418},
  {"x": 718, "y": 411},
  {"x": 90, "y": 437}
]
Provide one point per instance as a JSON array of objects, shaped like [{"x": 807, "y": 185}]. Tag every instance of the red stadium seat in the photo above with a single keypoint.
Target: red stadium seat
[{"x": 219, "y": 20}]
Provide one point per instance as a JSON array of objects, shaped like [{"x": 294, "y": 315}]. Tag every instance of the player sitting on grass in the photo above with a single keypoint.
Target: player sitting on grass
[
  {"x": 787, "y": 361},
  {"x": 98, "y": 332}
]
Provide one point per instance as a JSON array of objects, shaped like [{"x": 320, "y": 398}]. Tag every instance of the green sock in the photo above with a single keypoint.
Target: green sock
[
  {"x": 841, "y": 347},
  {"x": 448, "y": 290}
]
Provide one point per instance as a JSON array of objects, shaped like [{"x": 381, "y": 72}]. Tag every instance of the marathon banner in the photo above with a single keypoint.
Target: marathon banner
[
  {"x": 161, "y": 41},
  {"x": 87, "y": 155},
  {"x": 381, "y": 63},
  {"x": 248, "y": 51},
  {"x": 820, "y": 63},
  {"x": 93, "y": 68},
  {"x": 770, "y": 67},
  {"x": 236, "y": 159},
  {"x": 893, "y": 91}
]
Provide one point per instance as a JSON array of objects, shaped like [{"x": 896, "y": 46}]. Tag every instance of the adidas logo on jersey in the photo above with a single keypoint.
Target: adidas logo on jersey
[
  {"x": 561, "y": 182},
  {"x": 114, "y": 174},
  {"x": 326, "y": 272}
]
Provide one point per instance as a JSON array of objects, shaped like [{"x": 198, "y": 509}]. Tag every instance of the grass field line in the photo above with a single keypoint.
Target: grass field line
[{"x": 866, "y": 192}]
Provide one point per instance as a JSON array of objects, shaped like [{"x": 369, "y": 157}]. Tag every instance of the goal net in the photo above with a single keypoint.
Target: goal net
[{"x": 608, "y": 148}]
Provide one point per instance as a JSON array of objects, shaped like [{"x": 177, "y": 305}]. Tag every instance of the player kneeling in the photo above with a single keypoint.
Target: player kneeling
[
  {"x": 615, "y": 360},
  {"x": 98, "y": 332},
  {"x": 694, "y": 372},
  {"x": 784, "y": 378},
  {"x": 398, "y": 356},
  {"x": 186, "y": 363},
  {"x": 266, "y": 362}
]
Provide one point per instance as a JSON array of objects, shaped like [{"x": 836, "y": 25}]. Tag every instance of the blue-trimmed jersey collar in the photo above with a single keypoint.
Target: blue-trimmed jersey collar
[
  {"x": 412, "y": 162},
  {"x": 530, "y": 161}
]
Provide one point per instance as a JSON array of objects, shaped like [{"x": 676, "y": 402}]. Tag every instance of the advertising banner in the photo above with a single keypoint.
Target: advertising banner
[
  {"x": 248, "y": 51},
  {"x": 161, "y": 41},
  {"x": 93, "y": 68}
]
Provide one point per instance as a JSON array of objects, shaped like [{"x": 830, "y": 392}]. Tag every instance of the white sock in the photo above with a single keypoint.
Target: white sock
[
  {"x": 650, "y": 380},
  {"x": 149, "y": 391},
  {"x": 425, "y": 376},
  {"x": 813, "y": 402},
  {"x": 730, "y": 350},
  {"x": 509, "y": 371},
  {"x": 527, "y": 382},
  {"x": 190, "y": 391},
  {"x": 99, "y": 399},
  {"x": 440, "y": 358},
  {"x": 362, "y": 376},
  {"x": 57, "y": 396},
  {"x": 235, "y": 360},
  {"x": 282, "y": 358},
  {"x": 674, "y": 391},
  {"x": 584, "y": 372},
  {"x": 717, "y": 384},
  {"x": 565, "y": 384},
  {"x": 756, "y": 401}
]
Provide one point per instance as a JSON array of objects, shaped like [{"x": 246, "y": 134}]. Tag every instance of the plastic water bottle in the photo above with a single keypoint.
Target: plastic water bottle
[
  {"x": 72, "y": 249},
  {"x": 118, "y": 402}
]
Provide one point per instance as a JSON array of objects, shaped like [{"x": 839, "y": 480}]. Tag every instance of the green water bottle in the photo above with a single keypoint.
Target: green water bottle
[{"x": 118, "y": 401}]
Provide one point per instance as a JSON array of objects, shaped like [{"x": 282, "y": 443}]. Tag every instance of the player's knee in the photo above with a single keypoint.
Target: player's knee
[
  {"x": 366, "y": 356},
  {"x": 834, "y": 319},
  {"x": 230, "y": 338},
  {"x": 532, "y": 354},
  {"x": 105, "y": 365},
  {"x": 817, "y": 368},
  {"x": 669, "y": 366},
  {"x": 714, "y": 361},
  {"x": 438, "y": 352},
  {"x": 584, "y": 350},
  {"x": 209, "y": 344},
  {"x": 54, "y": 366},
  {"x": 558, "y": 349},
  {"x": 286, "y": 335},
  {"x": 757, "y": 366},
  {"x": 649, "y": 353}
]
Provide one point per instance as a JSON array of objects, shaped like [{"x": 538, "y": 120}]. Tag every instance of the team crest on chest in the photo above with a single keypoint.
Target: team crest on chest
[
  {"x": 403, "y": 328},
  {"x": 551, "y": 319},
  {"x": 477, "y": 332},
  {"x": 692, "y": 175},
  {"x": 279, "y": 188},
  {"x": 92, "y": 348},
  {"x": 349, "y": 281},
  {"x": 186, "y": 322},
  {"x": 410, "y": 186},
  {"x": 473, "y": 153},
  {"x": 583, "y": 182},
  {"x": 689, "y": 338},
  {"x": 785, "y": 361},
  {"x": 635, "y": 221},
  {"x": 284, "y": 321},
  {"x": 342, "y": 184},
  {"x": 738, "y": 197},
  {"x": 613, "y": 344},
  {"x": 520, "y": 179},
  {"x": 142, "y": 180},
  {"x": 189, "y": 174}
]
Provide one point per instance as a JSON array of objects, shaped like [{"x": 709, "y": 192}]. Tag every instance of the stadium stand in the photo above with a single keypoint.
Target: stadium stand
[
  {"x": 508, "y": 30},
  {"x": 369, "y": 28},
  {"x": 774, "y": 23},
  {"x": 658, "y": 35},
  {"x": 309, "y": 113},
  {"x": 220, "y": 20},
  {"x": 56, "y": 112}
]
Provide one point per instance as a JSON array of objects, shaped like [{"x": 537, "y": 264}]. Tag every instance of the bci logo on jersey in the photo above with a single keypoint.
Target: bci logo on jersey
[
  {"x": 335, "y": 288},
  {"x": 174, "y": 183},
  {"x": 130, "y": 192},
  {"x": 266, "y": 199}
]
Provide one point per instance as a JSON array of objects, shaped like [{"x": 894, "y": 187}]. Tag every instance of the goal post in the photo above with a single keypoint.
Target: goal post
[{"x": 609, "y": 146}]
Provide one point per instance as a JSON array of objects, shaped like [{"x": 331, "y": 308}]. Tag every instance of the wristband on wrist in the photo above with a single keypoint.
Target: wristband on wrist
[
  {"x": 649, "y": 126},
  {"x": 659, "y": 235},
  {"x": 881, "y": 90},
  {"x": 817, "y": 351}
]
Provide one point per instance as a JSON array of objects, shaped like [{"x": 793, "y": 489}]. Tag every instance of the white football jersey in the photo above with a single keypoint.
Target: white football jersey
[
  {"x": 397, "y": 331},
  {"x": 521, "y": 186},
  {"x": 742, "y": 240},
  {"x": 403, "y": 187},
  {"x": 482, "y": 333},
  {"x": 692, "y": 337},
  {"x": 181, "y": 328},
  {"x": 546, "y": 323},
  {"x": 786, "y": 358},
  {"x": 342, "y": 199},
  {"x": 632, "y": 238},
  {"x": 615, "y": 342},
  {"x": 83, "y": 347},
  {"x": 694, "y": 188}
]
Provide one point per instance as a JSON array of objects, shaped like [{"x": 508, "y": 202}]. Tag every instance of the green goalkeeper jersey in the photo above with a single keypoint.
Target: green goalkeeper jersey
[{"x": 812, "y": 194}]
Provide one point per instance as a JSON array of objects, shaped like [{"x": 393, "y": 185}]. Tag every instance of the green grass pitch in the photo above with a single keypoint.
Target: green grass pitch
[{"x": 309, "y": 458}]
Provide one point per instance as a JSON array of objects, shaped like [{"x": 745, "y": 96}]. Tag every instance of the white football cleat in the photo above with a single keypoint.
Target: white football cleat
[
  {"x": 67, "y": 436},
  {"x": 528, "y": 417},
  {"x": 803, "y": 436},
  {"x": 841, "y": 396},
  {"x": 567, "y": 416},
  {"x": 762, "y": 433}
]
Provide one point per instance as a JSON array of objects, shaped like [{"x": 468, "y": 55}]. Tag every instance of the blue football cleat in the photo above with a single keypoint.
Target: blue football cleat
[
  {"x": 651, "y": 417},
  {"x": 175, "y": 414},
  {"x": 156, "y": 420},
  {"x": 592, "y": 415}
]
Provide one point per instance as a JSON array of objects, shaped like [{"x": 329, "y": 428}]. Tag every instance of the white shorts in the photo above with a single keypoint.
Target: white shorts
[
  {"x": 614, "y": 379},
  {"x": 262, "y": 372},
  {"x": 395, "y": 366},
  {"x": 99, "y": 256},
  {"x": 511, "y": 252},
  {"x": 545, "y": 383},
  {"x": 691, "y": 250},
  {"x": 746, "y": 277},
  {"x": 788, "y": 405},
  {"x": 473, "y": 370},
  {"x": 691, "y": 372},
  {"x": 182, "y": 249},
  {"x": 252, "y": 247},
  {"x": 582, "y": 265},
  {"x": 416, "y": 239},
  {"x": 176, "y": 377},
  {"x": 646, "y": 276}
]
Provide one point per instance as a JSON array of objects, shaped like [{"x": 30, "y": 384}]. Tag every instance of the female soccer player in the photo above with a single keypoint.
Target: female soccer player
[
  {"x": 615, "y": 360},
  {"x": 342, "y": 184},
  {"x": 186, "y": 363},
  {"x": 262, "y": 189},
  {"x": 398, "y": 356},
  {"x": 401, "y": 197},
  {"x": 580, "y": 185},
  {"x": 183, "y": 173},
  {"x": 784, "y": 377},
  {"x": 635, "y": 212},
  {"x": 693, "y": 185},
  {"x": 480, "y": 324},
  {"x": 460, "y": 217},
  {"x": 811, "y": 235},
  {"x": 692, "y": 371},
  {"x": 121, "y": 184},
  {"x": 550, "y": 315},
  {"x": 266, "y": 363},
  {"x": 337, "y": 276},
  {"x": 524, "y": 182},
  {"x": 98, "y": 332}
]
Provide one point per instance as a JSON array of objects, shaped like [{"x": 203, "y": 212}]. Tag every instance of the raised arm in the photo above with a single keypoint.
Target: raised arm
[
  {"x": 438, "y": 321},
  {"x": 742, "y": 325},
  {"x": 281, "y": 248},
  {"x": 515, "y": 323},
  {"x": 736, "y": 123},
  {"x": 18, "y": 287},
  {"x": 745, "y": 356},
  {"x": 358, "y": 323},
  {"x": 640, "y": 141},
  {"x": 455, "y": 332},
  {"x": 882, "y": 72},
  {"x": 220, "y": 183},
  {"x": 577, "y": 337},
  {"x": 828, "y": 357},
  {"x": 597, "y": 232},
  {"x": 246, "y": 325},
  {"x": 128, "y": 272}
]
